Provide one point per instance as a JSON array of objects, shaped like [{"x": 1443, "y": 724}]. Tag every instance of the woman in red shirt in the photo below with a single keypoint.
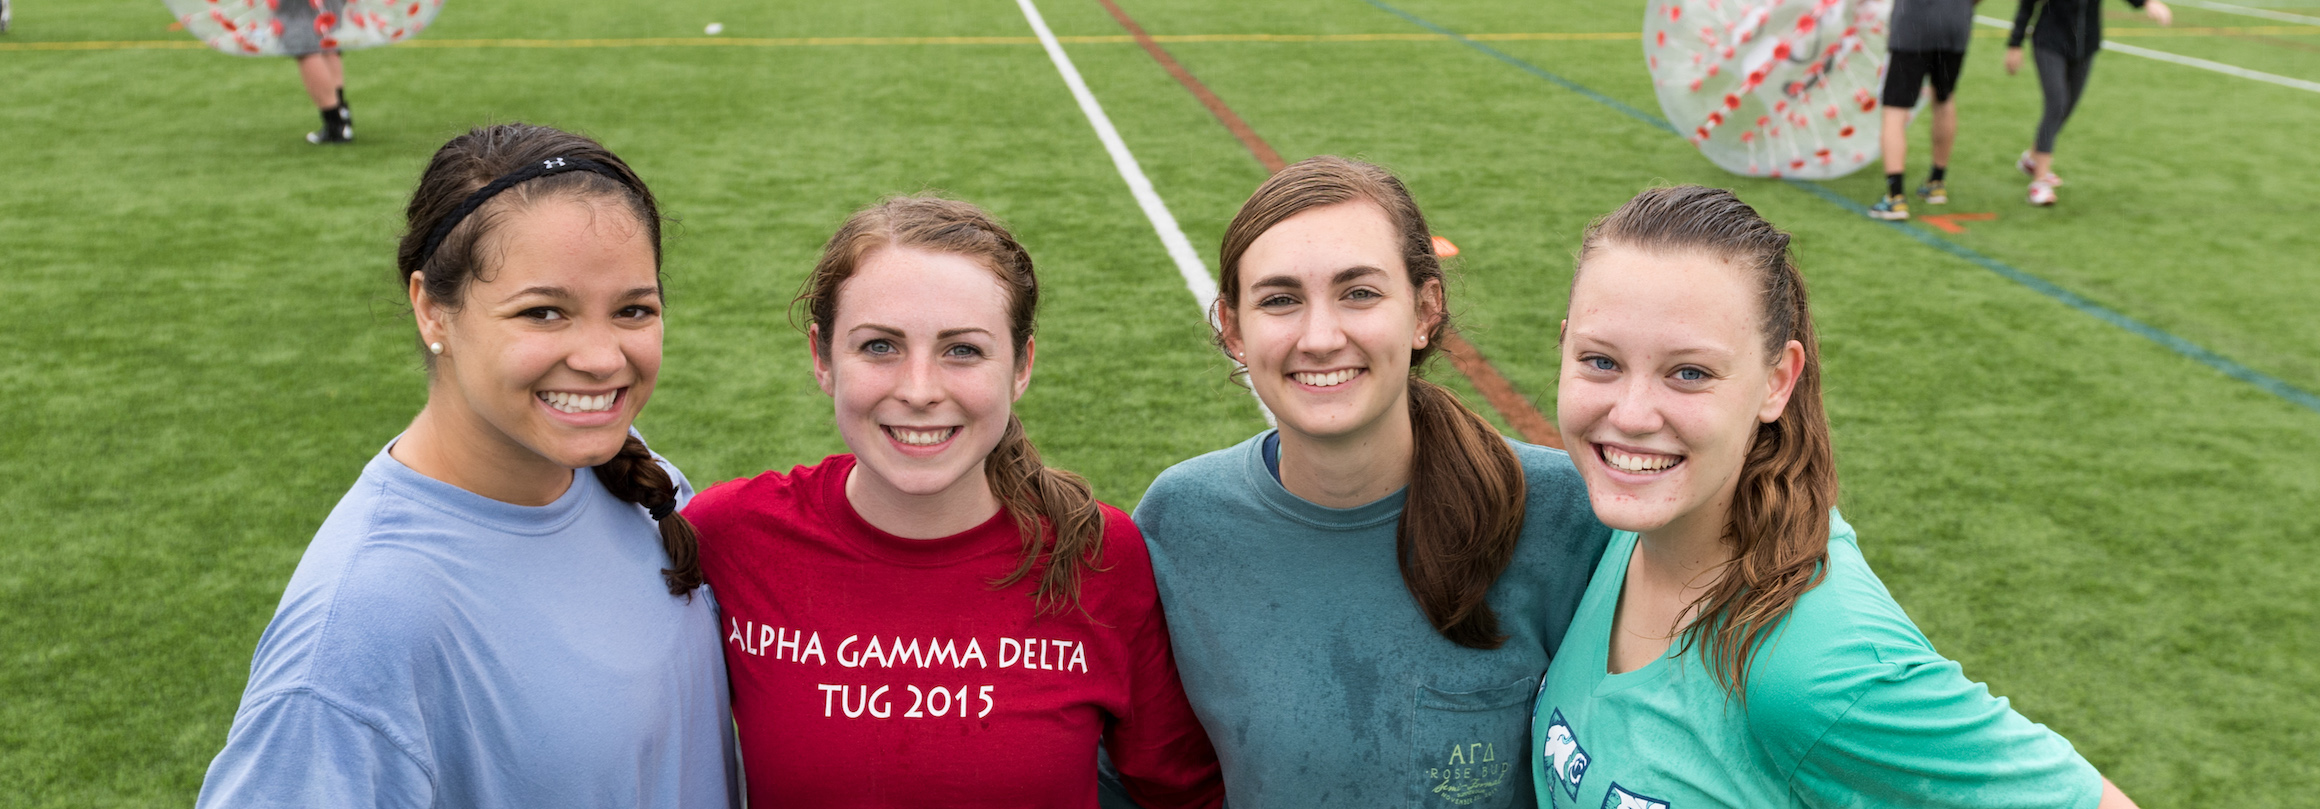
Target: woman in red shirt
[{"x": 937, "y": 618}]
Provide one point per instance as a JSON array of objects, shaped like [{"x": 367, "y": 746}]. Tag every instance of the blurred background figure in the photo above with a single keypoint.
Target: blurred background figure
[
  {"x": 1928, "y": 41},
  {"x": 2068, "y": 35},
  {"x": 305, "y": 35},
  {"x": 4, "y": 14}
]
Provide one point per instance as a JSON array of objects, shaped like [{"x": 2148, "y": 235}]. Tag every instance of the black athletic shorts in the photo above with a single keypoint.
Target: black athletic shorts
[{"x": 1908, "y": 70}]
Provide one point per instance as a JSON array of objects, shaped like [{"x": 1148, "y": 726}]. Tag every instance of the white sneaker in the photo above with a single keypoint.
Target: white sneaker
[
  {"x": 2027, "y": 166},
  {"x": 2042, "y": 190}
]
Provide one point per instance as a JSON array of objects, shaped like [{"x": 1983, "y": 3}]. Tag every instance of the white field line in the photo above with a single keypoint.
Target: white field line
[
  {"x": 2188, "y": 61},
  {"x": 2244, "y": 11},
  {"x": 1188, "y": 263}
]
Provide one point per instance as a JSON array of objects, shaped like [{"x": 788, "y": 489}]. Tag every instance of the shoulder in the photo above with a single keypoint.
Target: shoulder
[
  {"x": 1201, "y": 473},
  {"x": 1182, "y": 489},
  {"x": 1844, "y": 637},
  {"x": 1123, "y": 541},
  {"x": 742, "y": 499}
]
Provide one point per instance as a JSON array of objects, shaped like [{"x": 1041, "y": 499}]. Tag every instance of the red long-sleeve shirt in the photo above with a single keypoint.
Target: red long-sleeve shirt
[{"x": 873, "y": 670}]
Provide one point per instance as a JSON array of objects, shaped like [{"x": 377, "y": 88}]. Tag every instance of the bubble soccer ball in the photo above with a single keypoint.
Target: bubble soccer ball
[
  {"x": 254, "y": 28},
  {"x": 1771, "y": 88}
]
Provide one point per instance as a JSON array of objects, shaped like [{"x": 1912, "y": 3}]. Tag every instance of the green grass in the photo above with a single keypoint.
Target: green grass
[{"x": 210, "y": 343}]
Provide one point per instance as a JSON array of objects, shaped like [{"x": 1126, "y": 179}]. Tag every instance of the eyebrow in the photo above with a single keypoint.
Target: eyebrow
[
  {"x": 560, "y": 292},
  {"x": 1689, "y": 351},
  {"x": 940, "y": 335},
  {"x": 1343, "y": 276}
]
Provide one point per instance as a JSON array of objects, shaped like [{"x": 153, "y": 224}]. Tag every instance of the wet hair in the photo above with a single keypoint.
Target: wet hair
[
  {"x": 1055, "y": 511},
  {"x": 1464, "y": 508},
  {"x": 465, "y": 254},
  {"x": 1779, "y": 526}
]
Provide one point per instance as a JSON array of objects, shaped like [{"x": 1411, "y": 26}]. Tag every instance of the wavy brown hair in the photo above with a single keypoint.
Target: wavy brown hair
[
  {"x": 468, "y": 163},
  {"x": 1464, "y": 506},
  {"x": 1779, "y": 527},
  {"x": 1055, "y": 511}
]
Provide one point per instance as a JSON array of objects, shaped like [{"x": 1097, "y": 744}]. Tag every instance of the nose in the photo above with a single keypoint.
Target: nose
[
  {"x": 920, "y": 385},
  {"x": 596, "y": 351},
  {"x": 1636, "y": 410},
  {"x": 1323, "y": 334}
]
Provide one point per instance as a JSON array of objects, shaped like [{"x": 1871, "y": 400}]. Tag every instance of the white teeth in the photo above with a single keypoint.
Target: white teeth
[
  {"x": 574, "y": 403},
  {"x": 1328, "y": 380},
  {"x": 921, "y": 438},
  {"x": 1630, "y": 462}
]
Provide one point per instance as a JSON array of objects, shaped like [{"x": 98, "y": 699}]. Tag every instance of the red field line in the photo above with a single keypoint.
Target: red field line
[{"x": 1518, "y": 411}]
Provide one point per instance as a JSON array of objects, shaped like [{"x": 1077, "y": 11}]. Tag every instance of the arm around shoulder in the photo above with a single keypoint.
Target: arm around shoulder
[{"x": 297, "y": 748}]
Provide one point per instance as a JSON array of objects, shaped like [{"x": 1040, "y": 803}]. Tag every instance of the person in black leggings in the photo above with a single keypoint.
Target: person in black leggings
[{"x": 2066, "y": 36}]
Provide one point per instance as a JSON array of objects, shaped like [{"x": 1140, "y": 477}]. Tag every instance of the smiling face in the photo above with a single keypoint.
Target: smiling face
[
  {"x": 922, "y": 367},
  {"x": 554, "y": 348},
  {"x": 1327, "y": 320},
  {"x": 1665, "y": 379}
]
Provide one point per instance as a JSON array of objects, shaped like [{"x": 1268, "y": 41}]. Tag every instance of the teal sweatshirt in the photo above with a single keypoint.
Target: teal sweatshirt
[{"x": 1308, "y": 661}]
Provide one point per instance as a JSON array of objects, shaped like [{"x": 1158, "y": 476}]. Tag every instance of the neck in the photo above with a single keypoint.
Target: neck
[
  {"x": 461, "y": 450},
  {"x": 1688, "y": 554},
  {"x": 1350, "y": 470},
  {"x": 964, "y": 504}
]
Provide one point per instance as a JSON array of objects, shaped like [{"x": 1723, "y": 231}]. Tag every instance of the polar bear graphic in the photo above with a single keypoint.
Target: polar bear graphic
[
  {"x": 1620, "y": 798},
  {"x": 1565, "y": 759}
]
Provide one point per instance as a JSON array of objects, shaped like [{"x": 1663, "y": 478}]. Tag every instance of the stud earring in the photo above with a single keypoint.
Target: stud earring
[
  {"x": 1421, "y": 341},
  {"x": 435, "y": 348}
]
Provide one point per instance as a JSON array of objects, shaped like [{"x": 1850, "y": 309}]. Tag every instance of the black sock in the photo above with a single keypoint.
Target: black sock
[
  {"x": 335, "y": 122},
  {"x": 1892, "y": 185},
  {"x": 1940, "y": 172},
  {"x": 342, "y": 97}
]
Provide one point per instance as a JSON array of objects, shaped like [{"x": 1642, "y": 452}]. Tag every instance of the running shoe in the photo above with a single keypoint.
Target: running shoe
[
  {"x": 1934, "y": 192},
  {"x": 2042, "y": 190},
  {"x": 2026, "y": 165},
  {"x": 1891, "y": 209}
]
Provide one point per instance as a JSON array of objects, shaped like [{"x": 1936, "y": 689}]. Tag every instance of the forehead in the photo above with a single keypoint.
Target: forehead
[
  {"x": 913, "y": 288},
  {"x": 1632, "y": 294},
  {"x": 1316, "y": 243},
  {"x": 568, "y": 242}
]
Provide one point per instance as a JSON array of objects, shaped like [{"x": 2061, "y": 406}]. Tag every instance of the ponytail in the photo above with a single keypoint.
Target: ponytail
[
  {"x": 634, "y": 476},
  {"x": 1462, "y": 515},
  {"x": 1046, "y": 502}
]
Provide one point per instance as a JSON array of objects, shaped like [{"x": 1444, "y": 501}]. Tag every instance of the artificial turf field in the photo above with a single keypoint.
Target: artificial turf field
[{"x": 210, "y": 342}]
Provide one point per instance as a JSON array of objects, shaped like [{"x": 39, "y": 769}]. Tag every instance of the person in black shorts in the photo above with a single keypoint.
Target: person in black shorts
[
  {"x": 1928, "y": 44},
  {"x": 2069, "y": 34}
]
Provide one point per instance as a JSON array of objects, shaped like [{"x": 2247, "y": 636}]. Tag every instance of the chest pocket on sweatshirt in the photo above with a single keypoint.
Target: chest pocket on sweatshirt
[{"x": 1470, "y": 748}]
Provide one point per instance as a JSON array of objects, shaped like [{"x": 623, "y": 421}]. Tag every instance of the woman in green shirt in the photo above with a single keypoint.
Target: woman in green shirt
[{"x": 1733, "y": 648}]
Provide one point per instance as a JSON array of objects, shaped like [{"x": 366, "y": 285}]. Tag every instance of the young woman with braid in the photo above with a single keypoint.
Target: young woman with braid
[
  {"x": 1364, "y": 599},
  {"x": 937, "y": 618},
  {"x": 491, "y": 616},
  {"x": 1733, "y": 648}
]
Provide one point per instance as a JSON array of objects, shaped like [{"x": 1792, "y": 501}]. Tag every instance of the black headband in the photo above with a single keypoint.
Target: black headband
[{"x": 553, "y": 165}]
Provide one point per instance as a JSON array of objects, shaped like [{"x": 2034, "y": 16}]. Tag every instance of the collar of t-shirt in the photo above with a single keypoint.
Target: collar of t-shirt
[{"x": 1273, "y": 455}]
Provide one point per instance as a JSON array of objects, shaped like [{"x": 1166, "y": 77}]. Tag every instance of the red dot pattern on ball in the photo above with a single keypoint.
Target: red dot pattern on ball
[
  {"x": 256, "y": 27},
  {"x": 1769, "y": 87}
]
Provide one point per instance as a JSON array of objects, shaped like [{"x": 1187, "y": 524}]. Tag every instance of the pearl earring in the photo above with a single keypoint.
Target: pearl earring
[{"x": 435, "y": 348}]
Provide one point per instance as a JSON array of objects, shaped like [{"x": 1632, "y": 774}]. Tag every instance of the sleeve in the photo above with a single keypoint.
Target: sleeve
[
  {"x": 298, "y": 749},
  {"x": 1919, "y": 733},
  {"x": 2023, "y": 11},
  {"x": 1163, "y": 754}
]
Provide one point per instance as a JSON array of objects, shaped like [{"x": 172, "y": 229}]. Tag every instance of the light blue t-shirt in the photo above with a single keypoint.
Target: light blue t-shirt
[
  {"x": 1848, "y": 706},
  {"x": 439, "y": 648},
  {"x": 1319, "y": 680}
]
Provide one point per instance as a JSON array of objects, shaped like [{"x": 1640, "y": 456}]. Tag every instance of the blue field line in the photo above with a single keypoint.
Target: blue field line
[{"x": 2267, "y": 382}]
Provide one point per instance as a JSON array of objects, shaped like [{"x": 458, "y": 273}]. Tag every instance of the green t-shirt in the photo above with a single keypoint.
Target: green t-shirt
[
  {"x": 1848, "y": 705},
  {"x": 1309, "y": 663}
]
